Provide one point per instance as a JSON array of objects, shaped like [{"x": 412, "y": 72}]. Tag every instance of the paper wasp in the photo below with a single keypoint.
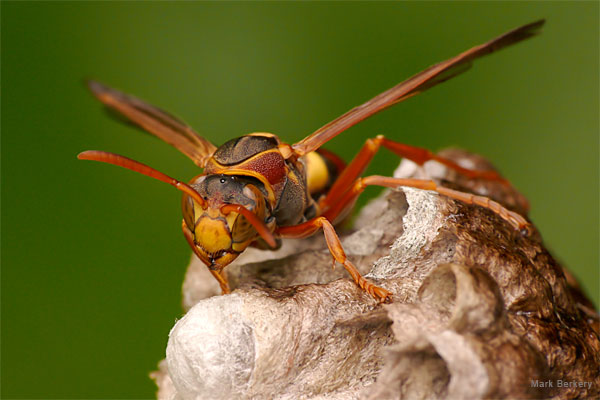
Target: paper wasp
[{"x": 256, "y": 189}]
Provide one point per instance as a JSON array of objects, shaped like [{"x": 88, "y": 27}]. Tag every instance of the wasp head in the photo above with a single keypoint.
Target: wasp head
[{"x": 225, "y": 224}]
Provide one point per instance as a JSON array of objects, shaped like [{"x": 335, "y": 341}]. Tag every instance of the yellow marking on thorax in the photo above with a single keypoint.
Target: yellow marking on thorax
[
  {"x": 317, "y": 174},
  {"x": 264, "y": 134}
]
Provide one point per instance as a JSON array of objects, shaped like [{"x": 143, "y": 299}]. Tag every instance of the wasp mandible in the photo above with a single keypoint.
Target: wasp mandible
[{"x": 256, "y": 189}]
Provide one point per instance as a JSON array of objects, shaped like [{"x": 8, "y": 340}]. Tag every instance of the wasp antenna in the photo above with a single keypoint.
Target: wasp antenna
[
  {"x": 260, "y": 227},
  {"x": 122, "y": 161},
  {"x": 95, "y": 86}
]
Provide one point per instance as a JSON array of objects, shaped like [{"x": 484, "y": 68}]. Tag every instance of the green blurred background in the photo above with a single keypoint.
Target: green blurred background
[{"x": 92, "y": 255}]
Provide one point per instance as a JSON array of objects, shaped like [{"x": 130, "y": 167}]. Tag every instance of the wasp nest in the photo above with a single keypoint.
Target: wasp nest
[{"x": 479, "y": 311}]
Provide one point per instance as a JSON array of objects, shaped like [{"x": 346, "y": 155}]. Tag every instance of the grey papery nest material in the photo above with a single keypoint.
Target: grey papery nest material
[{"x": 479, "y": 311}]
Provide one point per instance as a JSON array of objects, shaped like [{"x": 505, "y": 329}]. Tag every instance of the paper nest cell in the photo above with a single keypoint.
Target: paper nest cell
[{"x": 479, "y": 311}]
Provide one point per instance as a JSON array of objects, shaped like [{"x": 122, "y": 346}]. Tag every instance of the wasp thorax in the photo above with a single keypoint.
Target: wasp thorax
[{"x": 220, "y": 237}]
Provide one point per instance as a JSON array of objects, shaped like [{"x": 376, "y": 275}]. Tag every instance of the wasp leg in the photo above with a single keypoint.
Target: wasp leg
[
  {"x": 219, "y": 275},
  {"x": 416, "y": 154},
  {"x": 513, "y": 218},
  {"x": 222, "y": 279},
  {"x": 335, "y": 248}
]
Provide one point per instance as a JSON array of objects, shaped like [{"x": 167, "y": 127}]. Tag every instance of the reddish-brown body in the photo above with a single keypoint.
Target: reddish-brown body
[
  {"x": 257, "y": 155},
  {"x": 256, "y": 189}
]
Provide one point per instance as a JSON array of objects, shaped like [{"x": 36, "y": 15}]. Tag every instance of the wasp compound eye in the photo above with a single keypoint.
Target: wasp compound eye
[{"x": 187, "y": 207}]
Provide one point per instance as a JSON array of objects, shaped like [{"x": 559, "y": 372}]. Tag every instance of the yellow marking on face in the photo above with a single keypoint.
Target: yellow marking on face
[
  {"x": 212, "y": 234},
  {"x": 198, "y": 210},
  {"x": 231, "y": 217},
  {"x": 317, "y": 174}
]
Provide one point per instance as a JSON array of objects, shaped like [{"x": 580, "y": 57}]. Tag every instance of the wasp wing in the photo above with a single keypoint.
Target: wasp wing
[
  {"x": 157, "y": 122},
  {"x": 418, "y": 83}
]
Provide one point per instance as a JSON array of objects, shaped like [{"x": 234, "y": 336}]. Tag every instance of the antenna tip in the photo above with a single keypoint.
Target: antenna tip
[
  {"x": 81, "y": 156},
  {"x": 87, "y": 155}
]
